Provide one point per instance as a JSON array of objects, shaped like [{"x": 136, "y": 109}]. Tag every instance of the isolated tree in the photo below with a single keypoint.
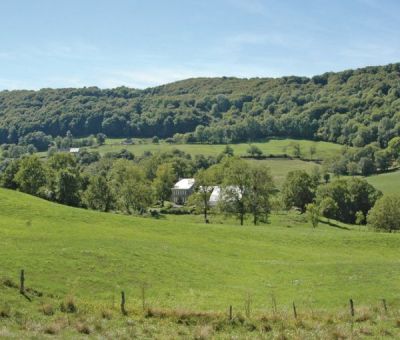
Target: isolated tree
[
  {"x": 98, "y": 195},
  {"x": 260, "y": 189},
  {"x": 101, "y": 138},
  {"x": 313, "y": 214},
  {"x": 254, "y": 151},
  {"x": 326, "y": 177},
  {"x": 205, "y": 181},
  {"x": 296, "y": 149},
  {"x": 164, "y": 181},
  {"x": 31, "y": 176},
  {"x": 235, "y": 188},
  {"x": 385, "y": 215},
  {"x": 313, "y": 150},
  {"x": 297, "y": 190}
]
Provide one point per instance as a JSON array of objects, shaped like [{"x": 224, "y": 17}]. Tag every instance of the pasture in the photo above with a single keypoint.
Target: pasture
[
  {"x": 388, "y": 183},
  {"x": 268, "y": 147},
  {"x": 187, "y": 265}
]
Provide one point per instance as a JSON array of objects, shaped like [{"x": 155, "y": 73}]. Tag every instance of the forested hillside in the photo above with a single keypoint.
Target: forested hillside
[{"x": 354, "y": 107}]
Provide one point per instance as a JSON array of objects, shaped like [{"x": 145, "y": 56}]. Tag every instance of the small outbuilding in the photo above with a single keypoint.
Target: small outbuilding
[{"x": 74, "y": 150}]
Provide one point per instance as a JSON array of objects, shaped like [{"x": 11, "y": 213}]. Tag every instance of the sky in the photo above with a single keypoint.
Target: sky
[{"x": 144, "y": 43}]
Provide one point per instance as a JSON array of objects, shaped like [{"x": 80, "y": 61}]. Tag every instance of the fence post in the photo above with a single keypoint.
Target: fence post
[
  {"x": 123, "y": 310},
  {"x": 294, "y": 310},
  {"x": 22, "y": 282},
  {"x": 230, "y": 312},
  {"x": 351, "y": 307},
  {"x": 384, "y": 305}
]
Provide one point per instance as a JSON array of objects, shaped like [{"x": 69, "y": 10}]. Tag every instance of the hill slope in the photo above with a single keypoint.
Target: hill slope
[
  {"x": 352, "y": 107},
  {"x": 187, "y": 264}
]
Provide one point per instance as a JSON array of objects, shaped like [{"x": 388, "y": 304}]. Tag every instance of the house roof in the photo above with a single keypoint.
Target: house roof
[{"x": 184, "y": 183}]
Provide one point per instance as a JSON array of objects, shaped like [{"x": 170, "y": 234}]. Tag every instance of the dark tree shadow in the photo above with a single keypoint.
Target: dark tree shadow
[{"x": 335, "y": 225}]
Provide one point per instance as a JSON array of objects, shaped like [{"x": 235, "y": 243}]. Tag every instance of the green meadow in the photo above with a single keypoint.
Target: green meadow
[
  {"x": 388, "y": 183},
  {"x": 180, "y": 264},
  {"x": 188, "y": 264},
  {"x": 268, "y": 147}
]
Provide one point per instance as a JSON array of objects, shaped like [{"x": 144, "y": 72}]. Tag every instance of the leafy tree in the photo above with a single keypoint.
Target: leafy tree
[
  {"x": 296, "y": 149},
  {"x": 297, "y": 190},
  {"x": 101, "y": 138},
  {"x": 164, "y": 181},
  {"x": 328, "y": 207},
  {"x": 31, "y": 176},
  {"x": 260, "y": 189},
  {"x": 7, "y": 176},
  {"x": 385, "y": 215},
  {"x": 235, "y": 188},
  {"x": 98, "y": 195},
  {"x": 254, "y": 151},
  {"x": 132, "y": 190},
  {"x": 360, "y": 218},
  {"x": 350, "y": 196},
  {"x": 67, "y": 185},
  {"x": 205, "y": 181},
  {"x": 383, "y": 159},
  {"x": 313, "y": 214},
  {"x": 313, "y": 150},
  {"x": 366, "y": 166}
]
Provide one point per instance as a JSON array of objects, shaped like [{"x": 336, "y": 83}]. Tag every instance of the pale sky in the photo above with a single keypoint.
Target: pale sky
[{"x": 142, "y": 43}]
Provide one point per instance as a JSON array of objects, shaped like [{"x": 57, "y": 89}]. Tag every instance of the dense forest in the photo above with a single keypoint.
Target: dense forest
[{"x": 353, "y": 107}]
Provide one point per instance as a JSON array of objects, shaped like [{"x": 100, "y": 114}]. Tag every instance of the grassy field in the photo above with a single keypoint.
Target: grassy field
[
  {"x": 185, "y": 264},
  {"x": 273, "y": 146},
  {"x": 280, "y": 167},
  {"x": 388, "y": 183}
]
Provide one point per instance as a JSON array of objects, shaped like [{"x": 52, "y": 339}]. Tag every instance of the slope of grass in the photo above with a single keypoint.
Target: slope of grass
[
  {"x": 188, "y": 264},
  {"x": 89, "y": 257},
  {"x": 272, "y": 146},
  {"x": 388, "y": 183}
]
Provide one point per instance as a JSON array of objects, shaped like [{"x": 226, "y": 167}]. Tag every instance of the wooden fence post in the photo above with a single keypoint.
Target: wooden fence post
[
  {"x": 294, "y": 311},
  {"x": 123, "y": 310},
  {"x": 230, "y": 312},
  {"x": 351, "y": 307},
  {"x": 22, "y": 282},
  {"x": 384, "y": 305}
]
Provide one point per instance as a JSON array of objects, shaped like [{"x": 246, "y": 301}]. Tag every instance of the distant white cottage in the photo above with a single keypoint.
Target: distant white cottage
[
  {"x": 74, "y": 150},
  {"x": 182, "y": 190}
]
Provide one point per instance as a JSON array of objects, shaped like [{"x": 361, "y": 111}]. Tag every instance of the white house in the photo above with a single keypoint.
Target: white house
[
  {"x": 74, "y": 150},
  {"x": 182, "y": 190}
]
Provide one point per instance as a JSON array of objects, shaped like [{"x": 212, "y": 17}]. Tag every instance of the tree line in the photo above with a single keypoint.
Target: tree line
[
  {"x": 122, "y": 183},
  {"x": 353, "y": 107}
]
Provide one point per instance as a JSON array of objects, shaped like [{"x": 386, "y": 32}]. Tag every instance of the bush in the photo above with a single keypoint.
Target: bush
[{"x": 385, "y": 215}]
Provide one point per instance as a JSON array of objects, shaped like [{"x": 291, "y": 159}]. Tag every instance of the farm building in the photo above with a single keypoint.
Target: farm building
[
  {"x": 217, "y": 194},
  {"x": 74, "y": 150},
  {"x": 182, "y": 190}
]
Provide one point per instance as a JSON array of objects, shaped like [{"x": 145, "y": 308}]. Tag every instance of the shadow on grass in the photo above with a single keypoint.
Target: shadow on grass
[{"x": 335, "y": 225}]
